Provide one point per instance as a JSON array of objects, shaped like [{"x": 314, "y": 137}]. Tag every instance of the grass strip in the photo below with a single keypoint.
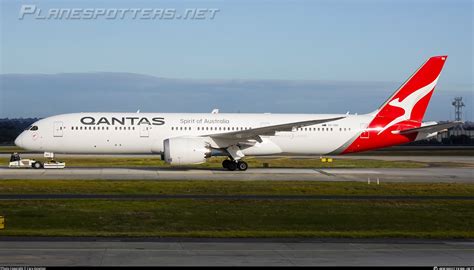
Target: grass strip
[
  {"x": 232, "y": 187},
  {"x": 239, "y": 218}
]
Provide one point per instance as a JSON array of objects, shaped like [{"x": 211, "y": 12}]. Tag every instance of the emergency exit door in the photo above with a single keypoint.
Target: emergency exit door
[
  {"x": 365, "y": 133},
  {"x": 58, "y": 129},
  {"x": 144, "y": 131}
]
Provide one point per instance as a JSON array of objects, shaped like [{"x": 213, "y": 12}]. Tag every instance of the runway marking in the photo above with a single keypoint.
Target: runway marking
[
  {"x": 350, "y": 171},
  {"x": 324, "y": 172}
]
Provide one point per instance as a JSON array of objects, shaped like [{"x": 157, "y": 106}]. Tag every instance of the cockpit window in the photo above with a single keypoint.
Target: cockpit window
[{"x": 34, "y": 128}]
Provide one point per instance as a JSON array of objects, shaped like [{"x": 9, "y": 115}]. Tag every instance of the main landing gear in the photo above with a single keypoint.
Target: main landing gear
[{"x": 233, "y": 165}]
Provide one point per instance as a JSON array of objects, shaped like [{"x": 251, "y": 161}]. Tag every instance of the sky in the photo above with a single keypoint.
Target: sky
[{"x": 341, "y": 41}]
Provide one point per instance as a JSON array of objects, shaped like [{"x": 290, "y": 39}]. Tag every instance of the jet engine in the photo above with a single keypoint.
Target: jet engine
[{"x": 186, "y": 150}]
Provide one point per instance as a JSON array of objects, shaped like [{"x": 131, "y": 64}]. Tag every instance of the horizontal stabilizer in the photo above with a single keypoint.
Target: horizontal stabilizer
[{"x": 428, "y": 129}]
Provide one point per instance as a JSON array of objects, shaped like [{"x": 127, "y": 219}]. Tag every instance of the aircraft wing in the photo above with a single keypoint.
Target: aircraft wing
[
  {"x": 255, "y": 133},
  {"x": 429, "y": 129}
]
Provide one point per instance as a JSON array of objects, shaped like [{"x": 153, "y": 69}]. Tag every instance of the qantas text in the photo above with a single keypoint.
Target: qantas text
[{"x": 89, "y": 120}]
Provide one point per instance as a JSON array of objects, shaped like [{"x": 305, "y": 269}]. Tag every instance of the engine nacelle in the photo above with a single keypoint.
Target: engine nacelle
[{"x": 191, "y": 150}]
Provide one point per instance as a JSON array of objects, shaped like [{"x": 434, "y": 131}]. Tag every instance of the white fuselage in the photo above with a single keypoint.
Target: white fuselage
[
  {"x": 190, "y": 138},
  {"x": 145, "y": 132}
]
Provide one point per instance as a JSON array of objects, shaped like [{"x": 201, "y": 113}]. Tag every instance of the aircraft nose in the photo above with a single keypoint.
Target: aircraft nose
[{"x": 19, "y": 140}]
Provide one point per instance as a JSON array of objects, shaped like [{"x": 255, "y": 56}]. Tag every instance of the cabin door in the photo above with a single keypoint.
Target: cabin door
[
  {"x": 144, "y": 131},
  {"x": 58, "y": 129},
  {"x": 365, "y": 133}
]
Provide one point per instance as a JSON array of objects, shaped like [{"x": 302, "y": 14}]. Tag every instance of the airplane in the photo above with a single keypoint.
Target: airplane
[{"x": 191, "y": 138}]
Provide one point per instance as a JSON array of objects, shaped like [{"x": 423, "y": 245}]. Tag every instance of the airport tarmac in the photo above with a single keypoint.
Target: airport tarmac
[
  {"x": 237, "y": 252},
  {"x": 427, "y": 158},
  {"x": 430, "y": 174}
]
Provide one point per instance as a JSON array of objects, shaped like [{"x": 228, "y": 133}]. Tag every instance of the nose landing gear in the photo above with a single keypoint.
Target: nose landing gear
[{"x": 233, "y": 165}]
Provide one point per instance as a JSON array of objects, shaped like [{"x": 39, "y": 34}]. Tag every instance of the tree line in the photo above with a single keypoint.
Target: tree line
[{"x": 11, "y": 128}]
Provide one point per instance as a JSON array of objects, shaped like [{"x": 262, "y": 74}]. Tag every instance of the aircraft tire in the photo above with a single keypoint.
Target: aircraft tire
[
  {"x": 225, "y": 163},
  {"x": 242, "y": 165},
  {"x": 232, "y": 166}
]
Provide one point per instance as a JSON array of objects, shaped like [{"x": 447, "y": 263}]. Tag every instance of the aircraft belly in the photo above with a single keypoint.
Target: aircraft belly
[
  {"x": 266, "y": 147},
  {"x": 310, "y": 144}
]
